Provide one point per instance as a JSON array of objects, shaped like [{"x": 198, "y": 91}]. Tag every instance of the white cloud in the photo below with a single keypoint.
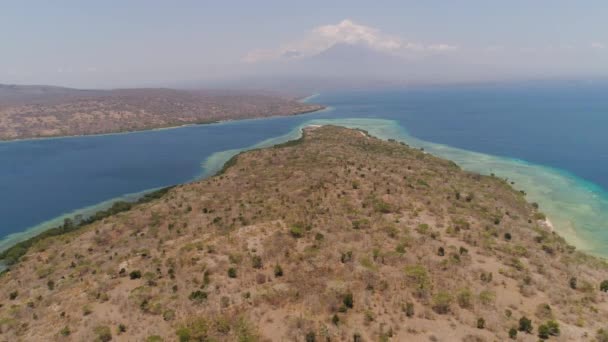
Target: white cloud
[
  {"x": 345, "y": 32},
  {"x": 598, "y": 45}
]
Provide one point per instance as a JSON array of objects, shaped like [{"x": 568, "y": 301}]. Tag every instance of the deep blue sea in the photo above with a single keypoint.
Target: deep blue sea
[{"x": 551, "y": 139}]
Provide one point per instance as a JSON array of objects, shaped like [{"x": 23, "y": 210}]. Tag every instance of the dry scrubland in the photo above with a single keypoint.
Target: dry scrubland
[
  {"x": 335, "y": 237},
  {"x": 80, "y": 112}
]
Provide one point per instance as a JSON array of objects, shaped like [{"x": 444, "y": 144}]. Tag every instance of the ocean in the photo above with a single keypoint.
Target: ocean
[{"x": 548, "y": 138}]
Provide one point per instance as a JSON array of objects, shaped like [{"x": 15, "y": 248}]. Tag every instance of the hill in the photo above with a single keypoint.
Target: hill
[
  {"x": 337, "y": 236},
  {"x": 45, "y": 111}
]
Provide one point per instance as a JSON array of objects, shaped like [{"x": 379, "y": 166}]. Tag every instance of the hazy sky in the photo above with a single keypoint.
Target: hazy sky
[{"x": 130, "y": 43}]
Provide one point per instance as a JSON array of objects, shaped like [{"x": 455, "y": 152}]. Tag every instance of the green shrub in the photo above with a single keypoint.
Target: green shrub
[
  {"x": 256, "y": 261},
  {"x": 512, "y": 333},
  {"x": 348, "y": 300},
  {"x": 441, "y": 302},
  {"x": 572, "y": 283},
  {"x": 135, "y": 274},
  {"x": 602, "y": 335},
  {"x": 465, "y": 298},
  {"x": 296, "y": 231},
  {"x": 278, "y": 271},
  {"x": 195, "y": 330},
  {"x": 604, "y": 286},
  {"x": 103, "y": 333},
  {"x": 198, "y": 296},
  {"x": 525, "y": 325},
  {"x": 409, "y": 309},
  {"x": 552, "y": 328},
  {"x": 543, "y": 332},
  {"x": 65, "y": 331},
  {"x": 481, "y": 323},
  {"x": 232, "y": 272},
  {"x": 154, "y": 338},
  {"x": 418, "y": 277}
]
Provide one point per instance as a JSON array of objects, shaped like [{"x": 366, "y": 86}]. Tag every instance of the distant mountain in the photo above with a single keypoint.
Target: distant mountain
[
  {"x": 343, "y": 60},
  {"x": 12, "y": 93}
]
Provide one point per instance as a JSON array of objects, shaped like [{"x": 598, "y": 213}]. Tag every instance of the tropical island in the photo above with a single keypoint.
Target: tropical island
[
  {"x": 336, "y": 236},
  {"x": 47, "y": 111}
]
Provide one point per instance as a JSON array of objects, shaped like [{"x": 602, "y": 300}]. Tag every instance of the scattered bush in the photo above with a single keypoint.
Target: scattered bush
[
  {"x": 604, "y": 286},
  {"x": 195, "y": 330},
  {"x": 122, "y": 328},
  {"x": 232, "y": 272},
  {"x": 65, "y": 331},
  {"x": 572, "y": 283},
  {"x": 602, "y": 335},
  {"x": 278, "y": 271},
  {"x": 256, "y": 261},
  {"x": 296, "y": 231},
  {"x": 198, "y": 296},
  {"x": 135, "y": 274},
  {"x": 512, "y": 333},
  {"x": 409, "y": 309},
  {"x": 441, "y": 302},
  {"x": 103, "y": 333},
  {"x": 310, "y": 336},
  {"x": 347, "y": 300},
  {"x": 465, "y": 298},
  {"x": 13, "y": 295},
  {"x": 525, "y": 325},
  {"x": 481, "y": 323},
  {"x": 418, "y": 277}
]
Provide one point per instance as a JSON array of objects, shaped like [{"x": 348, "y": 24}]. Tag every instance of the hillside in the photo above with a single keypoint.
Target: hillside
[
  {"x": 337, "y": 236},
  {"x": 44, "y": 111}
]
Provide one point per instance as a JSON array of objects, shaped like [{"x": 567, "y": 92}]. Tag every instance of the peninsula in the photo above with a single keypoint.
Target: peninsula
[{"x": 337, "y": 236}]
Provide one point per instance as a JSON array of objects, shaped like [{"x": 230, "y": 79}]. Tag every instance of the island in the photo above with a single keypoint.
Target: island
[
  {"x": 336, "y": 236},
  {"x": 46, "y": 111}
]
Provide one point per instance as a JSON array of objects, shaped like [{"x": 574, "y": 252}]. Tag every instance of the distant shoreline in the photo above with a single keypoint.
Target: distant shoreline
[{"x": 166, "y": 127}]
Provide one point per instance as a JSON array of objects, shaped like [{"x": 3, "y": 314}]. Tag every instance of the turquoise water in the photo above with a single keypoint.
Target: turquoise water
[{"x": 504, "y": 131}]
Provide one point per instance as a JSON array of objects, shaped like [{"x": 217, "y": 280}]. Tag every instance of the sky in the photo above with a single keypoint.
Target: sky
[{"x": 110, "y": 43}]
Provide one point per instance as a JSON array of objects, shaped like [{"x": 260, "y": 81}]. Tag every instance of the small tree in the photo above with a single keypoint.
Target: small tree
[
  {"x": 525, "y": 325},
  {"x": 278, "y": 271},
  {"x": 513, "y": 333},
  {"x": 543, "y": 332},
  {"x": 553, "y": 328},
  {"x": 256, "y": 261},
  {"x": 572, "y": 283},
  {"x": 409, "y": 309},
  {"x": 135, "y": 274},
  {"x": 348, "y": 300}
]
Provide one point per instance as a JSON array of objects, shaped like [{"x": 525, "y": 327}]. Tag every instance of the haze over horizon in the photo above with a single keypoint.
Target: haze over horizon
[{"x": 129, "y": 44}]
